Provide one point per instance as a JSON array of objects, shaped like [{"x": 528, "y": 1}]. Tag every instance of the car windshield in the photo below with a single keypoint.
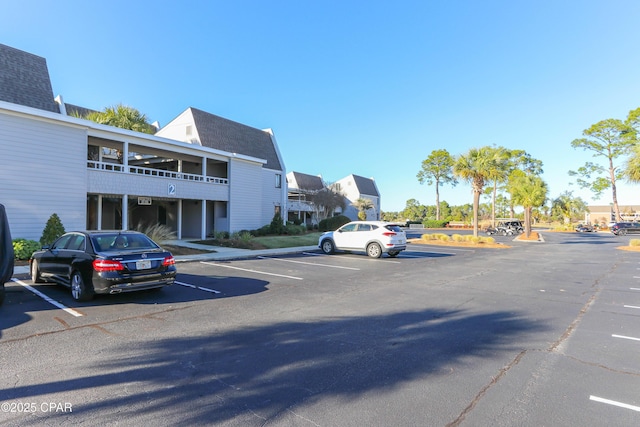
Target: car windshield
[{"x": 121, "y": 241}]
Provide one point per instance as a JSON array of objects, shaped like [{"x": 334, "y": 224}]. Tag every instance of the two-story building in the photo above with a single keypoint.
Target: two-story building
[{"x": 199, "y": 174}]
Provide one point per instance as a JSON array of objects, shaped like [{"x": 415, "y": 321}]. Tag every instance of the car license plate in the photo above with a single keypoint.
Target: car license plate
[{"x": 143, "y": 265}]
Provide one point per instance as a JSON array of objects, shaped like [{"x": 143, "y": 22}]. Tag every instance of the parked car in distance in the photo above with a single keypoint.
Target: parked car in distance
[
  {"x": 103, "y": 262},
  {"x": 507, "y": 227},
  {"x": 6, "y": 252},
  {"x": 584, "y": 228},
  {"x": 624, "y": 228},
  {"x": 372, "y": 237}
]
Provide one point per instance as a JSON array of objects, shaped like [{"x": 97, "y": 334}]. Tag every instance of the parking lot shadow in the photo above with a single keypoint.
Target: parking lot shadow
[
  {"x": 19, "y": 300},
  {"x": 258, "y": 372}
]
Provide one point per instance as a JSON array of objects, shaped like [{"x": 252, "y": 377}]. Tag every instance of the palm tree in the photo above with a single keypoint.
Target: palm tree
[
  {"x": 476, "y": 167},
  {"x": 528, "y": 191},
  {"x": 568, "y": 207},
  {"x": 497, "y": 174},
  {"x": 123, "y": 117},
  {"x": 363, "y": 206}
]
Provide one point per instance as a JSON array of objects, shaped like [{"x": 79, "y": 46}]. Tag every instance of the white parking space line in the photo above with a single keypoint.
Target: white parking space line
[
  {"x": 48, "y": 299},
  {"x": 626, "y": 338},
  {"x": 631, "y": 306},
  {"x": 312, "y": 253},
  {"x": 456, "y": 250},
  {"x": 251, "y": 271},
  {"x": 614, "y": 403},
  {"x": 308, "y": 263},
  {"x": 197, "y": 287},
  {"x": 635, "y": 289},
  {"x": 361, "y": 258},
  {"x": 404, "y": 254}
]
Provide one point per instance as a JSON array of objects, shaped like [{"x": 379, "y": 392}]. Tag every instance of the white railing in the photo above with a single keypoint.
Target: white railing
[{"x": 115, "y": 167}]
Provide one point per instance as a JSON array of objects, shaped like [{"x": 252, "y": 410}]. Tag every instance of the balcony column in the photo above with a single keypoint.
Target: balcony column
[
  {"x": 125, "y": 211},
  {"x": 204, "y": 169},
  {"x": 203, "y": 226},
  {"x": 99, "y": 219},
  {"x": 179, "y": 232},
  {"x": 125, "y": 156}
]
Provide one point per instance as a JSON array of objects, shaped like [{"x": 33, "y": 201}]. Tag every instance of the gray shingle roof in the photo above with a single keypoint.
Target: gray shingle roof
[
  {"x": 366, "y": 186},
  {"x": 72, "y": 110},
  {"x": 24, "y": 80},
  {"x": 223, "y": 134},
  {"x": 308, "y": 182}
]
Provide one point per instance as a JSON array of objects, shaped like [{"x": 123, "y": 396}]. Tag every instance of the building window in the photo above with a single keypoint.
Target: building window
[
  {"x": 278, "y": 180},
  {"x": 277, "y": 210}
]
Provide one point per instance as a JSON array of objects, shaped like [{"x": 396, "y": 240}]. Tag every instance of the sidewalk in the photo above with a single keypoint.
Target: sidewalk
[
  {"x": 220, "y": 254},
  {"x": 223, "y": 253}
]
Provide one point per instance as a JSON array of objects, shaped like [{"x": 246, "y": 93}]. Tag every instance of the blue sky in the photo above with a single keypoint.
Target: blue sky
[{"x": 363, "y": 87}]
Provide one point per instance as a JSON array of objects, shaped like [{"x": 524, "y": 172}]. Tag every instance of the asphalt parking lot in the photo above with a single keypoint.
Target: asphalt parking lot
[{"x": 538, "y": 334}]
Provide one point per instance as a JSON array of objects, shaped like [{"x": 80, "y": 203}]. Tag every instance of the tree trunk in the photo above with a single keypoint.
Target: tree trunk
[
  {"x": 437, "y": 201},
  {"x": 493, "y": 204},
  {"x": 476, "y": 208}
]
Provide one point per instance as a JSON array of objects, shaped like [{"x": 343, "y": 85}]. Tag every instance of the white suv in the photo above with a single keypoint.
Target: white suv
[{"x": 373, "y": 237}]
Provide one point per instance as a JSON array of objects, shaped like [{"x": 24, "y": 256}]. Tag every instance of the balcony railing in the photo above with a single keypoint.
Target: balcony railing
[{"x": 137, "y": 170}]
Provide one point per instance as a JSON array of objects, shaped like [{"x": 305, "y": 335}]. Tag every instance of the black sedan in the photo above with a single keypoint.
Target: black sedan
[{"x": 103, "y": 262}]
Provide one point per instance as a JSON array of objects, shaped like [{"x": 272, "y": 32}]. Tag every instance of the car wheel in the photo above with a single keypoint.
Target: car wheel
[
  {"x": 374, "y": 250},
  {"x": 622, "y": 232},
  {"x": 35, "y": 272},
  {"x": 79, "y": 289},
  {"x": 328, "y": 247},
  {"x": 393, "y": 254}
]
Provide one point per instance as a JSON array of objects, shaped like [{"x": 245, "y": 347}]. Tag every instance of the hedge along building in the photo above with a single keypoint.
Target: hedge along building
[{"x": 199, "y": 174}]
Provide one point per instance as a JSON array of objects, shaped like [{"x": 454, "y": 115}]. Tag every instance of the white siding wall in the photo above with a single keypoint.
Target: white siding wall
[
  {"x": 272, "y": 196},
  {"x": 42, "y": 171},
  {"x": 178, "y": 126},
  {"x": 245, "y": 205}
]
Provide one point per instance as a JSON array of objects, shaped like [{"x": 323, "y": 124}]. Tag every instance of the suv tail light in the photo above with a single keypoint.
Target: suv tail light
[
  {"x": 168, "y": 261},
  {"x": 101, "y": 265},
  {"x": 389, "y": 233}
]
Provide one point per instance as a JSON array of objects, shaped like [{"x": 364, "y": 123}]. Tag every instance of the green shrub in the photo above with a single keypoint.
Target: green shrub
[
  {"x": 52, "y": 230},
  {"x": 490, "y": 240},
  {"x": 433, "y": 223},
  {"x": 262, "y": 231},
  {"x": 331, "y": 224},
  {"x": 293, "y": 229},
  {"x": 221, "y": 235},
  {"x": 23, "y": 248},
  {"x": 244, "y": 236},
  {"x": 443, "y": 237},
  {"x": 276, "y": 226},
  {"x": 458, "y": 238},
  {"x": 634, "y": 242}
]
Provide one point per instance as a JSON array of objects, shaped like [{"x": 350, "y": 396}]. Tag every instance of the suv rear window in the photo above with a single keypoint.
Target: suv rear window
[{"x": 393, "y": 228}]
